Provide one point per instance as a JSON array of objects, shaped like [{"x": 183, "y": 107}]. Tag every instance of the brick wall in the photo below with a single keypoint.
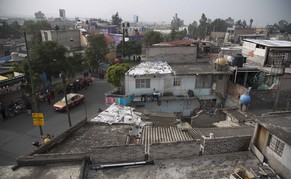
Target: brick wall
[
  {"x": 174, "y": 149},
  {"x": 235, "y": 90},
  {"x": 225, "y": 145},
  {"x": 121, "y": 153}
]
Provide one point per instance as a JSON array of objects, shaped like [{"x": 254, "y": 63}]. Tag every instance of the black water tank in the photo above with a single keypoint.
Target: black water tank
[{"x": 238, "y": 60}]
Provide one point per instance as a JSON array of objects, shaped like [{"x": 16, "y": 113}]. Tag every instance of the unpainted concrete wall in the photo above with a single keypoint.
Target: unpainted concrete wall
[
  {"x": 121, "y": 153},
  {"x": 225, "y": 145},
  {"x": 189, "y": 53},
  {"x": 174, "y": 149}
]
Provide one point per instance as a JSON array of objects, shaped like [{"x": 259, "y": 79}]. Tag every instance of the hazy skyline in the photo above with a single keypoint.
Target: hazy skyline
[{"x": 263, "y": 12}]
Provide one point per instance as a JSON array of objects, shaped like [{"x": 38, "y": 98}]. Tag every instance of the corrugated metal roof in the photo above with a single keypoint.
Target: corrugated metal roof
[
  {"x": 226, "y": 131},
  {"x": 270, "y": 43}
]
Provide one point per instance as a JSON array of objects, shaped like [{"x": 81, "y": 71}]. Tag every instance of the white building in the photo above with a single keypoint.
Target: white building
[
  {"x": 180, "y": 87},
  {"x": 272, "y": 142}
]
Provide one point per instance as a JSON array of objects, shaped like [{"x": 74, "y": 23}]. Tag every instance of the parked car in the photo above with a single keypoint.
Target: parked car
[{"x": 73, "y": 100}]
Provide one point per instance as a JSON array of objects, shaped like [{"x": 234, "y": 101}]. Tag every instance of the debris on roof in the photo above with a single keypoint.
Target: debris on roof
[
  {"x": 119, "y": 114},
  {"x": 225, "y": 124},
  {"x": 150, "y": 67}
]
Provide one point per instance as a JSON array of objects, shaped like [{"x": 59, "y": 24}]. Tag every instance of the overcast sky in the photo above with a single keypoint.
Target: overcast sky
[{"x": 263, "y": 12}]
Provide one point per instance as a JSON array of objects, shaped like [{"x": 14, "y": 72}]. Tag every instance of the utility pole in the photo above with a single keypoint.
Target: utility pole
[
  {"x": 124, "y": 27},
  {"x": 32, "y": 82},
  {"x": 62, "y": 75},
  {"x": 35, "y": 106}
]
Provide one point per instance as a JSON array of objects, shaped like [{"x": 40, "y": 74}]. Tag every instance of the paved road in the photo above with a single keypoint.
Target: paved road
[{"x": 17, "y": 133}]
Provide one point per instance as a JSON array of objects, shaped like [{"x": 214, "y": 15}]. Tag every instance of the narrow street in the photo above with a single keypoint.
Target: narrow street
[{"x": 18, "y": 133}]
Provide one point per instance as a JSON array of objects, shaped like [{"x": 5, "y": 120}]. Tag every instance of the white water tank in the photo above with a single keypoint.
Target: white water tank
[{"x": 14, "y": 56}]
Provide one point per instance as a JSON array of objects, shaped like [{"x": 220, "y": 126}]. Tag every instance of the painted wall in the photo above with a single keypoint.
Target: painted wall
[
  {"x": 156, "y": 83},
  {"x": 254, "y": 54},
  {"x": 186, "y": 106},
  {"x": 187, "y": 83},
  {"x": 281, "y": 164}
]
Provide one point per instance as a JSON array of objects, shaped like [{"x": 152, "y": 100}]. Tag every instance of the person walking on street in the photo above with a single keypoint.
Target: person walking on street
[
  {"x": 3, "y": 112},
  {"x": 48, "y": 96}
]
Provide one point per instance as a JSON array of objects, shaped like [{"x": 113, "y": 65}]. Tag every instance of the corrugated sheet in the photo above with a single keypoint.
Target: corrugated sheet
[{"x": 161, "y": 135}]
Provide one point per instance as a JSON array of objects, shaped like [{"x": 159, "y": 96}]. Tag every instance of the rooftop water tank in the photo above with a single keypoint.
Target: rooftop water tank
[
  {"x": 245, "y": 99},
  {"x": 14, "y": 56},
  {"x": 230, "y": 59},
  {"x": 221, "y": 64},
  {"x": 238, "y": 60},
  {"x": 221, "y": 61}
]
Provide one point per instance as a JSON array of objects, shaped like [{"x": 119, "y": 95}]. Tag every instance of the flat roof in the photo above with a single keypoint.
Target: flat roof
[
  {"x": 93, "y": 135},
  {"x": 196, "y": 69},
  {"x": 278, "y": 124},
  {"x": 270, "y": 43},
  {"x": 150, "y": 68}
]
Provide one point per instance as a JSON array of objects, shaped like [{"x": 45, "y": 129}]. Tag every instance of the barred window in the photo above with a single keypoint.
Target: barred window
[
  {"x": 177, "y": 82},
  {"x": 276, "y": 145},
  {"x": 142, "y": 83}
]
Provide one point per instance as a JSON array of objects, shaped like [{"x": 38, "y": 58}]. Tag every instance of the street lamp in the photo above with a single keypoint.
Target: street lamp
[
  {"x": 124, "y": 27},
  {"x": 62, "y": 75},
  {"x": 35, "y": 108}
]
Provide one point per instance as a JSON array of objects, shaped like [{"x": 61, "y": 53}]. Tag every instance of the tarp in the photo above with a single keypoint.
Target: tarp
[{"x": 119, "y": 114}]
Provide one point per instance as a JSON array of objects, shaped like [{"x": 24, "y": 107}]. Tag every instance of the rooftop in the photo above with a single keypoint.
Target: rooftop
[
  {"x": 278, "y": 124},
  {"x": 196, "y": 68},
  {"x": 150, "y": 68},
  {"x": 206, "y": 166},
  {"x": 92, "y": 135},
  {"x": 270, "y": 43}
]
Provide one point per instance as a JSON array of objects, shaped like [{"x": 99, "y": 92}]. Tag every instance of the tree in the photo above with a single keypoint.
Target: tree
[
  {"x": 218, "y": 25},
  {"x": 193, "y": 30},
  {"x": 96, "y": 51},
  {"x": 22, "y": 67},
  {"x": 152, "y": 37},
  {"x": 203, "y": 26},
  {"x": 74, "y": 64},
  {"x": 115, "y": 74},
  {"x": 176, "y": 22},
  {"x": 130, "y": 48},
  {"x": 244, "y": 23},
  {"x": 39, "y": 15},
  {"x": 116, "y": 20},
  {"x": 283, "y": 25},
  {"x": 238, "y": 24},
  {"x": 49, "y": 57},
  {"x": 251, "y": 23},
  {"x": 10, "y": 31},
  {"x": 229, "y": 21},
  {"x": 173, "y": 34},
  {"x": 178, "y": 35}
]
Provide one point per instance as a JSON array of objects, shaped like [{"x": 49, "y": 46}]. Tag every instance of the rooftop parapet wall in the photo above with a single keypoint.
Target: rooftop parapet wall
[
  {"x": 225, "y": 145},
  {"x": 119, "y": 153},
  {"x": 186, "y": 53},
  {"x": 174, "y": 149}
]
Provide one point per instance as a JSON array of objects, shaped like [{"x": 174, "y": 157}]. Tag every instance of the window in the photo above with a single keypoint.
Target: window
[
  {"x": 142, "y": 83},
  {"x": 276, "y": 145},
  {"x": 177, "y": 82},
  {"x": 45, "y": 36}
]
